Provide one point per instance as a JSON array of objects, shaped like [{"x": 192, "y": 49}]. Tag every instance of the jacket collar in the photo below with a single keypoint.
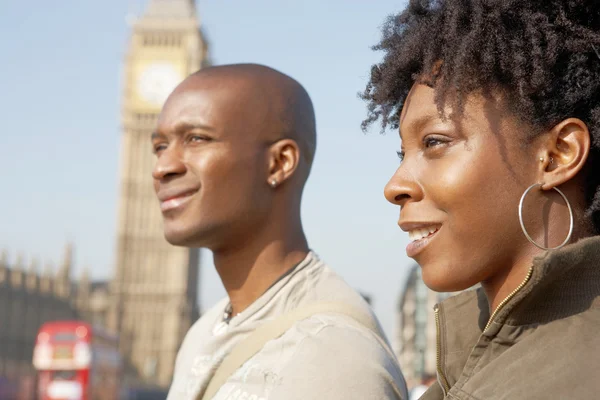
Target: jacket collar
[{"x": 563, "y": 282}]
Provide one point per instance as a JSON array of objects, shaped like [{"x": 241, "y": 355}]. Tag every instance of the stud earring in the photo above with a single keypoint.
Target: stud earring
[
  {"x": 550, "y": 161},
  {"x": 273, "y": 183}
]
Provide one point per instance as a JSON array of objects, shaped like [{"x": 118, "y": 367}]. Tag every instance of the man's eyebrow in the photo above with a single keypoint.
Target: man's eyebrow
[
  {"x": 182, "y": 127},
  {"x": 155, "y": 135},
  {"x": 185, "y": 126}
]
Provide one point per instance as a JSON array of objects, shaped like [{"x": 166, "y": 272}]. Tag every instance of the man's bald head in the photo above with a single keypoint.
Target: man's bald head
[
  {"x": 237, "y": 143},
  {"x": 267, "y": 103}
]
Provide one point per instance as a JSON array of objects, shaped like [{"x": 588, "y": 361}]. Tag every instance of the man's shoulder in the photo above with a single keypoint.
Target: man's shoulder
[
  {"x": 325, "y": 286},
  {"x": 320, "y": 357},
  {"x": 339, "y": 332},
  {"x": 332, "y": 356},
  {"x": 321, "y": 282}
]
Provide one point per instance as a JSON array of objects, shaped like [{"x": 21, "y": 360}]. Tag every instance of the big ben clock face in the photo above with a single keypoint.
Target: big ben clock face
[{"x": 156, "y": 81}]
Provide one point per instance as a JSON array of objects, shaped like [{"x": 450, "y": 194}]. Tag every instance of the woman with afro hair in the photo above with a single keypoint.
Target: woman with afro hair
[{"x": 497, "y": 103}]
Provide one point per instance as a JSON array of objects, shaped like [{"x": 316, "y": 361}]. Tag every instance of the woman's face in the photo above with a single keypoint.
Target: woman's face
[{"x": 459, "y": 186}]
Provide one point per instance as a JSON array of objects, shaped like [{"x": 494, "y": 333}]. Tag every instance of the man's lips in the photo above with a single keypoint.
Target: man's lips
[{"x": 174, "y": 198}]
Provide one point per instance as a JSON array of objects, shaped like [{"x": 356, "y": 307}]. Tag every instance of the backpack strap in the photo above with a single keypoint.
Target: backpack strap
[{"x": 248, "y": 347}]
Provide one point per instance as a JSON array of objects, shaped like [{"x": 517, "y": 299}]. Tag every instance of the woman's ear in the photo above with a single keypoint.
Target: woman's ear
[{"x": 565, "y": 152}]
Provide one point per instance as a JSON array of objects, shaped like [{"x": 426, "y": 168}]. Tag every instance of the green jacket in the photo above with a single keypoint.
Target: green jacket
[{"x": 543, "y": 342}]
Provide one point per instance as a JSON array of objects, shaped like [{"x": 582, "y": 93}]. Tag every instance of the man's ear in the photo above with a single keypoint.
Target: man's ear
[
  {"x": 564, "y": 153},
  {"x": 284, "y": 158}
]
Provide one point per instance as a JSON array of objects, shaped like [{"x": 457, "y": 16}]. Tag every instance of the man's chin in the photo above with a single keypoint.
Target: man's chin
[
  {"x": 179, "y": 238},
  {"x": 186, "y": 237}
]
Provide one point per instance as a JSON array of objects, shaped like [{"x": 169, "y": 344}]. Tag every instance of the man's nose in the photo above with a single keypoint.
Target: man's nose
[{"x": 168, "y": 163}]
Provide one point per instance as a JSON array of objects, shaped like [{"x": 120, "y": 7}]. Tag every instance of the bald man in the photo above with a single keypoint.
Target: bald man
[{"x": 234, "y": 147}]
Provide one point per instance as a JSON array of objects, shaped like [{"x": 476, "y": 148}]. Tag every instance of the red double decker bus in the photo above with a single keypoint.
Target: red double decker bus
[{"x": 76, "y": 361}]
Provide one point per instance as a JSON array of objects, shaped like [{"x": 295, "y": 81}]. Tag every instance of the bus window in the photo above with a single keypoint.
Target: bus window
[
  {"x": 64, "y": 337},
  {"x": 63, "y": 375}
]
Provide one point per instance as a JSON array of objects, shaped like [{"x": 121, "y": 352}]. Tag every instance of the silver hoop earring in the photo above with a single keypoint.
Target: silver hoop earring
[{"x": 523, "y": 224}]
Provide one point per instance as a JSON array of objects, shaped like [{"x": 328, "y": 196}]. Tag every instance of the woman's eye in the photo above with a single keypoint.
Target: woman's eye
[
  {"x": 432, "y": 141},
  {"x": 400, "y": 154}
]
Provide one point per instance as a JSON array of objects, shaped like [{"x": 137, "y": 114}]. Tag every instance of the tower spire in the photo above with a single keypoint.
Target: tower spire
[
  {"x": 3, "y": 265},
  {"x": 67, "y": 263},
  {"x": 4, "y": 259},
  {"x": 171, "y": 8}
]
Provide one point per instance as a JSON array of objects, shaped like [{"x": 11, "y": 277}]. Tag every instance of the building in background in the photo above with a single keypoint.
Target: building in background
[
  {"x": 153, "y": 294},
  {"x": 28, "y": 299},
  {"x": 415, "y": 338}
]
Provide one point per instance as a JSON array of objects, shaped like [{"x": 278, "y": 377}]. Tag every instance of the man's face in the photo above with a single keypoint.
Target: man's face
[{"x": 211, "y": 168}]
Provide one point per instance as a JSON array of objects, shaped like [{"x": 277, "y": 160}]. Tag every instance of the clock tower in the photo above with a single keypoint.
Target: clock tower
[{"x": 154, "y": 290}]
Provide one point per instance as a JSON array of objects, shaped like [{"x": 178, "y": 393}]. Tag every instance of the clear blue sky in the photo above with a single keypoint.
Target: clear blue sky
[{"x": 60, "y": 78}]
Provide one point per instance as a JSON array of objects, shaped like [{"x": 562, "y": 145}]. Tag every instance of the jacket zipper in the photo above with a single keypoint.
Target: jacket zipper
[
  {"x": 436, "y": 309},
  {"x": 510, "y": 296},
  {"x": 438, "y": 353}
]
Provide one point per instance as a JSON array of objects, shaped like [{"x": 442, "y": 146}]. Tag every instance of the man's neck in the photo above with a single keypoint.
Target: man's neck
[{"x": 247, "y": 272}]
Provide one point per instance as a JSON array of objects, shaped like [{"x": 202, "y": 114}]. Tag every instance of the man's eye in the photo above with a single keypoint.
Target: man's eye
[
  {"x": 158, "y": 148},
  {"x": 198, "y": 138}
]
